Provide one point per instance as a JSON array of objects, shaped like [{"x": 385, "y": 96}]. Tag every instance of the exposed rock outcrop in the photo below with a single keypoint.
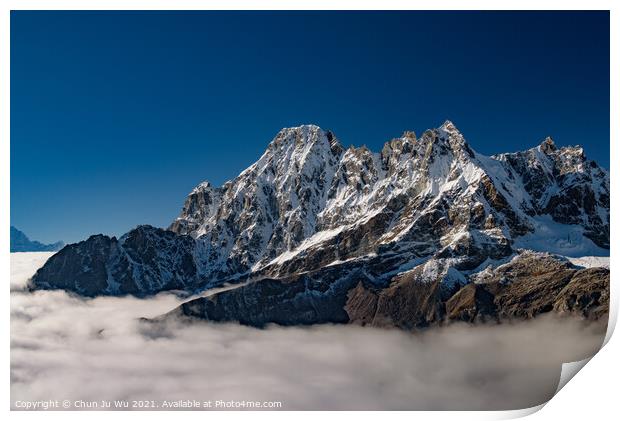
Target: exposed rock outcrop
[{"x": 528, "y": 285}]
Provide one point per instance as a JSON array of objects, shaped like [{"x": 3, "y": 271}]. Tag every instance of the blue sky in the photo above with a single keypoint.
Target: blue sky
[{"x": 116, "y": 116}]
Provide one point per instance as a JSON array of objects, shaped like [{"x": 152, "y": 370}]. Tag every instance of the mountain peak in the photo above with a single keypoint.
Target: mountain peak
[
  {"x": 409, "y": 135},
  {"x": 305, "y": 137},
  {"x": 298, "y": 134},
  {"x": 449, "y": 127},
  {"x": 205, "y": 185},
  {"x": 21, "y": 242},
  {"x": 450, "y": 135},
  {"x": 304, "y": 130},
  {"x": 547, "y": 146}
]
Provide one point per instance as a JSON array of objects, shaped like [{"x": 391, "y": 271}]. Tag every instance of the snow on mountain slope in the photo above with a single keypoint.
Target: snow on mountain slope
[
  {"x": 563, "y": 184},
  {"x": 554, "y": 237},
  {"x": 429, "y": 194},
  {"x": 590, "y": 261},
  {"x": 308, "y": 203}
]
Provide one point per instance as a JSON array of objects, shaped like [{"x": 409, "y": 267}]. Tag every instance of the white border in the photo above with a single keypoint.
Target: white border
[{"x": 576, "y": 401}]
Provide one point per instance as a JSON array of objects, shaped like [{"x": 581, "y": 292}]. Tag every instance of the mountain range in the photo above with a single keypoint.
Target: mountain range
[
  {"x": 20, "y": 242},
  {"x": 424, "y": 231}
]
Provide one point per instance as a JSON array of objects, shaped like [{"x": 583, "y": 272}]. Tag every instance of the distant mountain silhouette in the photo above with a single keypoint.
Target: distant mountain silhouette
[{"x": 21, "y": 242}]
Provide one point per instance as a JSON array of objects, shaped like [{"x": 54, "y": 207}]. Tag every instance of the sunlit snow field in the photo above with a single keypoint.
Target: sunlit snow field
[{"x": 66, "y": 347}]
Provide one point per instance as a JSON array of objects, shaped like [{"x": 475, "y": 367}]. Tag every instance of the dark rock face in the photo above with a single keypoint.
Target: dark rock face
[
  {"x": 78, "y": 267},
  {"x": 299, "y": 300},
  {"x": 415, "y": 299},
  {"x": 471, "y": 304},
  {"x": 528, "y": 285},
  {"x": 587, "y": 294},
  {"x": 144, "y": 261},
  {"x": 20, "y": 243}
]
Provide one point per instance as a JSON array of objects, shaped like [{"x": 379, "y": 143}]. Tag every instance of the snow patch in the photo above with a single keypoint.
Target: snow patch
[
  {"x": 553, "y": 237},
  {"x": 590, "y": 261}
]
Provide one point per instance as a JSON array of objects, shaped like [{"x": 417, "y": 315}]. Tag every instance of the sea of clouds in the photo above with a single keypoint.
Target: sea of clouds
[{"x": 66, "y": 347}]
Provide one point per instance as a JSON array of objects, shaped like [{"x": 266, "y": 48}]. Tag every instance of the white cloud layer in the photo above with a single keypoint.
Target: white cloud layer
[{"x": 65, "y": 347}]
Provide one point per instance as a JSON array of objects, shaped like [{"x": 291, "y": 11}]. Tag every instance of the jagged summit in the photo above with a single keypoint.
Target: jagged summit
[
  {"x": 314, "y": 135},
  {"x": 308, "y": 204},
  {"x": 303, "y": 128},
  {"x": 449, "y": 126},
  {"x": 409, "y": 135},
  {"x": 308, "y": 184},
  {"x": 304, "y": 134},
  {"x": 547, "y": 146}
]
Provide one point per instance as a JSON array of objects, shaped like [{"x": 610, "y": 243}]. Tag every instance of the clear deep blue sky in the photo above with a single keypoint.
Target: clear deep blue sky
[{"x": 115, "y": 117}]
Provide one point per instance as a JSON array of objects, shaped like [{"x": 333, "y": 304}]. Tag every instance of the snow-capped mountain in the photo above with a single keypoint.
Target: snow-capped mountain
[
  {"x": 309, "y": 202},
  {"x": 429, "y": 208}
]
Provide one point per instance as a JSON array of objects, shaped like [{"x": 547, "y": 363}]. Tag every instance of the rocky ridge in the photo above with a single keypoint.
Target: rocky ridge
[
  {"x": 311, "y": 221},
  {"x": 528, "y": 285}
]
